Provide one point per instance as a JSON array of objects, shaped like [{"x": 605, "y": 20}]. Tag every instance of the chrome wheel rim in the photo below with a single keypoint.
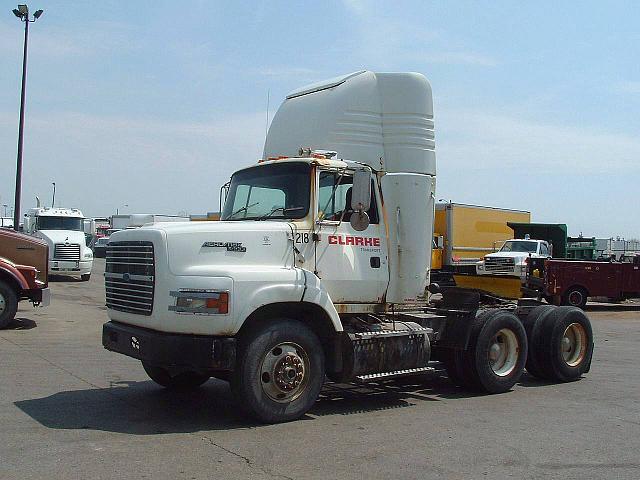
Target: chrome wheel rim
[
  {"x": 503, "y": 352},
  {"x": 3, "y": 303},
  {"x": 284, "y": 375},
  {"x": 574, "y": 344}
]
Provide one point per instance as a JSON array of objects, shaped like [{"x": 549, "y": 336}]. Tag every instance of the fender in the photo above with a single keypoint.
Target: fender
[
  {"x": 311, "y": 291},
  {"x": 315, "y": 293},
  {"x": 14, "y": 273}
]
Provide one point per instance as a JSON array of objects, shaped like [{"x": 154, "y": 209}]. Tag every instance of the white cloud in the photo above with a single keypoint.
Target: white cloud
[
  {"x": 288, "y": 72},
  {"x": 632, "y": 87},
  {"x": 54, "y": 42},
  {"x": 493, "y": 140},
  {"x": 100, "y": 163},
  {"x": 386, "y": 41},
  {"x": 458, "y": 58},
  {"x": 583, "y": 177}
]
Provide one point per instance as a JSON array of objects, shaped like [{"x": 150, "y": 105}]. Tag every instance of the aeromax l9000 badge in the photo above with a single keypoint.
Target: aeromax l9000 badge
[{"x": 230, "y": 246}]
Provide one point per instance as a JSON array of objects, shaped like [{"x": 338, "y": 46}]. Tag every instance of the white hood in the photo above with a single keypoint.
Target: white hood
[
  {"x": 61, "y": 236},
  {"x": 518, "y": 256},
  {"x": 198, "y": 248}
]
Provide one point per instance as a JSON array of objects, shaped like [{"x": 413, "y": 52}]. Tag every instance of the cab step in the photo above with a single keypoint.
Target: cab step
[{"x": 375, "y": 377}]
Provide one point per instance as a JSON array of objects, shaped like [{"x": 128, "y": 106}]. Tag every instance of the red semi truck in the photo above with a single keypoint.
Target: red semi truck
[{"x": 571, "y": 282}]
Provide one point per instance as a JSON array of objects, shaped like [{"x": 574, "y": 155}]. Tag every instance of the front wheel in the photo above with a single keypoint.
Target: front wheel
[
  {"x": 181, "y": 381},
  {"x": 85, "y": 277},
  {"x": 280, "y": 371},
  {"x": 8, "y": 304}
]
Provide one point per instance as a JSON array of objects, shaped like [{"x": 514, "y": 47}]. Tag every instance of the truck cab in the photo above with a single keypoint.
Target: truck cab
[
  {"x": 63, "y": 229},
  {"x": 512, "y": 258}
]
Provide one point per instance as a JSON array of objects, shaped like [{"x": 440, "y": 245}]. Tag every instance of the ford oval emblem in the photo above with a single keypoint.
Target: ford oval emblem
[{"x": 126, "y": 277}]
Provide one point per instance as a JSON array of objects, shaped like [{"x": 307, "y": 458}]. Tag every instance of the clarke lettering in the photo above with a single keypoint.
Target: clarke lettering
[{"x": 355, "y": 241}]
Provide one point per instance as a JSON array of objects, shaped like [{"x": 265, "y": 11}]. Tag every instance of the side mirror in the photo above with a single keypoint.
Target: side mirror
[
  {"x": 439, "y": 241},
  {"x": 361, "y": 191},
  {"x": 360, "y": 199}
]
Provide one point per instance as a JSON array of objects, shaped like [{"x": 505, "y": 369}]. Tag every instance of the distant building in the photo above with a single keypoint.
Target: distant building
[{"x": 605, "y": 247}]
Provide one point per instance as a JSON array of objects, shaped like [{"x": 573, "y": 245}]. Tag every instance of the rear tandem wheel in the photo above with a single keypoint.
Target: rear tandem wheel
[
  {"x": 560, "y": 343},
  {"x": 496, "y": 356}
]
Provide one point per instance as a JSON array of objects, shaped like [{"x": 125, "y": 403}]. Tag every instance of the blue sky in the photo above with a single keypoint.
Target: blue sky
[{"x": 155, "y": 104}]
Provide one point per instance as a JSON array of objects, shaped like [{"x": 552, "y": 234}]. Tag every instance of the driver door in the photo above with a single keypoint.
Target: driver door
[{"x": 352, "y": 265}]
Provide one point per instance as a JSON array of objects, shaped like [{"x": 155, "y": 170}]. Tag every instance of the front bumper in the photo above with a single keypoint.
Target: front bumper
[
  {"x": 38, "y": 296},
  {"x": 183, "y": 351},
  {"x": 65, "y": 267}
]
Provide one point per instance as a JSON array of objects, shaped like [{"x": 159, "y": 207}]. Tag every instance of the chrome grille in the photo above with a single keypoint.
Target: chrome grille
[
  {"x": 129, "y": 277},
  {"x": 500, "y": 265},
  {"x": 66, "y": 252}
]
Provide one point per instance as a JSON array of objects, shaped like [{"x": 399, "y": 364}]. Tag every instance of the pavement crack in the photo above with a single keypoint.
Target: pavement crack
[{"x": 250, "y": 463}]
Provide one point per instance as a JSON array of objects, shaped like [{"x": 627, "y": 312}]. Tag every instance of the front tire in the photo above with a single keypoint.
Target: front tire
[
  {"x": 8, "y": 304},
  {"x": 85, "y": 277},
  {"x": 280, "y": 371},
  {"x": 181, "y": 381}
]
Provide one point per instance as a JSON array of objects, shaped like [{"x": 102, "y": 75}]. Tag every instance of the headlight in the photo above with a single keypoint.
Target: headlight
[
  {"x": 88, "y": 254},
  {"x": 200, "y": 301}
]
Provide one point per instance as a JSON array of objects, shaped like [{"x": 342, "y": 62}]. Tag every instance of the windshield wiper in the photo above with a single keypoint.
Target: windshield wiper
[
  {"x": 241, "y": 209},
  {"x": 267, "y": 215}
]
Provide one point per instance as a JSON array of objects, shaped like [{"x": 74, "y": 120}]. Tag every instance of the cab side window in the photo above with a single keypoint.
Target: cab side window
[
  {"x": 332, "y": 206},
  {"x": 544, "y": 250}
]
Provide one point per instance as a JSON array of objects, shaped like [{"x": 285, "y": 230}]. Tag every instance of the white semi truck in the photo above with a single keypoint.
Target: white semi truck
[
  {"x": 319, "y": 268},
  {"x": 64, "y": 231}
]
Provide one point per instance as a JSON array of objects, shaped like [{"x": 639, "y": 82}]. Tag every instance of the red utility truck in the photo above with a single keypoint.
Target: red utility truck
[{"x": 570, "y": 282}]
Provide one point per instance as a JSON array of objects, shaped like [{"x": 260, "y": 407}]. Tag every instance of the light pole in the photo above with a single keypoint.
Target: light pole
[
  {"x": 22, "y": 12},
  {"x": 53, "y": 200},
  {"x": 118, "y": 209}
]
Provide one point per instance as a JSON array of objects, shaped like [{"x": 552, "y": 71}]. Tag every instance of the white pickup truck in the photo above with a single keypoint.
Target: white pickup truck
[
  {"x": 319, "y": 268},
  {"x": 512, "y": 257}
]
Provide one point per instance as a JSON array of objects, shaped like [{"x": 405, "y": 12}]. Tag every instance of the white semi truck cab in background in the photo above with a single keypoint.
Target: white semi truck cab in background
[
  {"x": 319, "y": 265},
  {"x": 512, "y": 258},
  {"x": 64, "y": 231}
]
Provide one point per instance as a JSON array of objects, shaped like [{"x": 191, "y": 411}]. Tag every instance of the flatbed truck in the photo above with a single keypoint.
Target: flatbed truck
[{"x": 319, "y": 268}]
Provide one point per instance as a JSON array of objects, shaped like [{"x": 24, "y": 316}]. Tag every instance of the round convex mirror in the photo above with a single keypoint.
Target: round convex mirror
[{"x": 359, "y": 221}]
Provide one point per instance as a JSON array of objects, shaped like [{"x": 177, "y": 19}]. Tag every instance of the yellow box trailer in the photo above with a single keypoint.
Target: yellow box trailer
[{"x": 463, "y": 234}]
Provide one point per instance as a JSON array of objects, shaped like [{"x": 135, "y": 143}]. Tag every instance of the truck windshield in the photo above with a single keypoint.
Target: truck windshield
[
  {"x": 269, "y": 191},
  {"x": 520, "y": 246},
  {"x": 60, "y": 223}
]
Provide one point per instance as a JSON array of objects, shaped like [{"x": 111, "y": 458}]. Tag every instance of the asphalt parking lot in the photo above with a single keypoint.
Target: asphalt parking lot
[{"x": 70, "y": 409}]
